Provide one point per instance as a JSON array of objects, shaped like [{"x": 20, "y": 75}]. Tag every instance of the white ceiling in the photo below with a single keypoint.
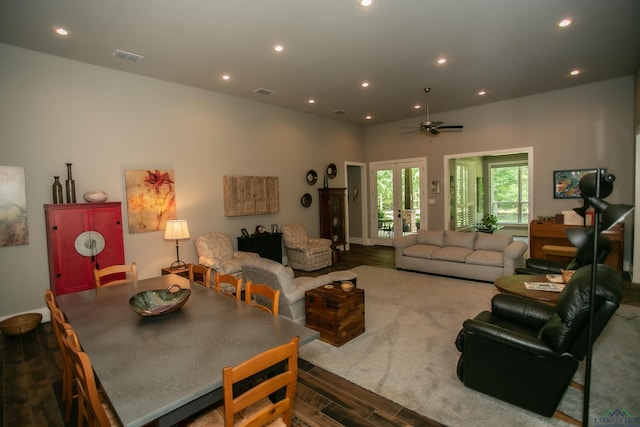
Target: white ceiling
[{"x": 510, "y": 48}]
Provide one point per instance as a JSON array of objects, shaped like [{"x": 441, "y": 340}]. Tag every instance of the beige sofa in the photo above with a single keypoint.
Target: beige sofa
[{"x": 471, "y": 255}]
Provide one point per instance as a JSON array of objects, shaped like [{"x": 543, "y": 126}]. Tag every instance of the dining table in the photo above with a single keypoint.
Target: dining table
[{"x": 163, "y": 369}]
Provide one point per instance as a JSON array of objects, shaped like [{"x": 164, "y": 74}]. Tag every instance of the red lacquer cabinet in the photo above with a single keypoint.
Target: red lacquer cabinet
[{"x": 80, "y": 237}]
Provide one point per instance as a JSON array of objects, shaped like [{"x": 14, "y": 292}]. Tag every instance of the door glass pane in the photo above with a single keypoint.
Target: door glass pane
[
  {"x": 410, "y": 200},
  {"x": 384, "y": 203}
]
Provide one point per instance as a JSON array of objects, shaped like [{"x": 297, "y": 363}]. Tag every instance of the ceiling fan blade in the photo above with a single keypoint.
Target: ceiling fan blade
[
  {"x": 434, "y": 131},
  {"x": 451, "y": 127}
]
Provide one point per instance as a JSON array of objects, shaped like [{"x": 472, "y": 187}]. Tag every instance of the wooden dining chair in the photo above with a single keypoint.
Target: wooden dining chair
[
  {"x": 255, "y": 293},
  {"x": 60, "y": 327},
  {"x": 92, "y": 406},
  {"x": 50, "y": 299},
  {"x": 114, "y": 269},
  {"x": 253, "y": 408},
  {"x": 200, "y": 274},
  {"x": 225, "y": 282}
]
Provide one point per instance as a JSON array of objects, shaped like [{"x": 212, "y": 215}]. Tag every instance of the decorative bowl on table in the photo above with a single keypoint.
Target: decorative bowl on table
[
  {"x": 566, "y": 275},
  {"x": 20, "y": 324},
  {"x": 158, "y": 302},
  {"x": 346, "y": 286}
]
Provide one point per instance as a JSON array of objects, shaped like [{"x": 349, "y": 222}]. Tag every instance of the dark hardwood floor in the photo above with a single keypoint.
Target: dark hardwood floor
[{"x": 31, "y": 374}]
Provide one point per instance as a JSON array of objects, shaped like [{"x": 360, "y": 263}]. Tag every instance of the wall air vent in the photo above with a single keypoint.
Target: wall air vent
[
  {"x": 263, "y": 91},
  {"x": 339, "y": 112},
  {"x": 123, "y": 54}
]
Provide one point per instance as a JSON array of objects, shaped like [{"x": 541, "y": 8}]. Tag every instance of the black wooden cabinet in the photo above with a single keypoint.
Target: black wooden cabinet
[
  {"x": 267, "y": 245},
  {"x": 332, "y": 216}
]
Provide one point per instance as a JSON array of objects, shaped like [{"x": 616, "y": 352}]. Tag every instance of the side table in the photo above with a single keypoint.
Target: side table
[
  {"x": 184, "y": 272},
  {"x": 514, "y": 285},
  {"x": 338, "y": 315}
]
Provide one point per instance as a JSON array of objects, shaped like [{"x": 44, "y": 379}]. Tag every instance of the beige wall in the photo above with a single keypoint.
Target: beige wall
[
  {"x": 581, "y": 127},
  {"x": 54, "y": 111}
]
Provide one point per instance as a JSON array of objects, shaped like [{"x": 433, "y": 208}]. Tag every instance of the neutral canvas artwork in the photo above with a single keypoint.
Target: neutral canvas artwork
[
  {"x": 151, "y": 199},
  {"x": 13, "y": 207}
]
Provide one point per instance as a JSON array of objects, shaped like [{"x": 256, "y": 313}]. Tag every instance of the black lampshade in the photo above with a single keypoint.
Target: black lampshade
[
  {"x": 580, "y": 237},
  {"x": 588, "y": 185},
  {"x": 610, "y": 215},
  {"x": 582, "y": 211}
]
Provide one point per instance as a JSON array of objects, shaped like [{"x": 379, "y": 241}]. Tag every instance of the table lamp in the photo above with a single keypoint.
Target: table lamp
[{"x": 177, "y": 229}]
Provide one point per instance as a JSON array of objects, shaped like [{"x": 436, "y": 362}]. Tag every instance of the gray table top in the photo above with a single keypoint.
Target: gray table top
[{"x": 149, "y": 367}]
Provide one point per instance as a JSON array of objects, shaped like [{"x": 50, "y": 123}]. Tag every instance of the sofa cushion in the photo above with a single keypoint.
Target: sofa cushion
[
  {"x": 459, "y": 239},
  {"x": 420, "y": 251},
  {"x": 430, "y": 237},
  {"x": 493, "y": 242},
  {"x": 481, "y": 257},
  {"x": 451, "y": 253}
]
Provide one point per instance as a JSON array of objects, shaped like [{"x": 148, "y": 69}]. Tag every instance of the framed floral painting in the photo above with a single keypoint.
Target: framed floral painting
[
  {"x": 151, "y": 199},
  {"x": 13, "y": 207}
]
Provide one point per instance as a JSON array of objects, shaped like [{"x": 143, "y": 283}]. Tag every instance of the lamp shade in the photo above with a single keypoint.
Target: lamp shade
[
  {"x": 177, "y": 229},
  {"x": 610, "y": 214},
  {"x": 582, "y": 211},
  {"x": 588, "y": 185}
]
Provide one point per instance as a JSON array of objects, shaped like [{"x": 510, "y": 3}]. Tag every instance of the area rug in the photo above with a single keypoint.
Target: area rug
[{"x": 407, "y": 353}]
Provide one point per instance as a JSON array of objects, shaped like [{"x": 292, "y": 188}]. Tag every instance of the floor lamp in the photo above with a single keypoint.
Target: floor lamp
[
  {"x": 177, "y": 229},
  {"x": 606, "y": 216}
]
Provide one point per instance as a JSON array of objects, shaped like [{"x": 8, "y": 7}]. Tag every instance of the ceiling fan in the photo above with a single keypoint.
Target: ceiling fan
[{"x": 429, "y": 126}]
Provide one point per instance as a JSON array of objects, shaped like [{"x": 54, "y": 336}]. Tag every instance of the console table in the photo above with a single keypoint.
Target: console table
[
  {"x": 267, "y": 245},
  {"x": 543, "y": 233}
]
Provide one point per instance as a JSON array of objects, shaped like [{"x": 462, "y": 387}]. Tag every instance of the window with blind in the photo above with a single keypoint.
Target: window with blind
[{"x": 465, "y": 194}]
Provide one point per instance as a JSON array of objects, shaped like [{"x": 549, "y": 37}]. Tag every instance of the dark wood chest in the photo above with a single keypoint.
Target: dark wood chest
[{"x": 336, "y": 314}]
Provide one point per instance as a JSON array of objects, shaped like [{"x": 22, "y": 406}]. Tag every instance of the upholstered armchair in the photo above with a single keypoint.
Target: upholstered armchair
[
  {"x": 526, "y": 352},
  {"x": 216, "y": 252},
  {"x": 304, "y": 253},
  {"x": 280, "y": 277}
]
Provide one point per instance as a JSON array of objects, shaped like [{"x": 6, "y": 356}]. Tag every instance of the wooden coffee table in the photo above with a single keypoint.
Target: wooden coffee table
[
  {"x": 515, "y": 285},
  {"x": 338, "y": 315}
]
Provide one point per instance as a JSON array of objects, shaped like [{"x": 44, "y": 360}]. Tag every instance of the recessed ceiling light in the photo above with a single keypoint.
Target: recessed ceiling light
[
  {"x": 417, "y": 106},
  {"x": 60, "y": 31},
  {"x": 278, "y": 48},
  {"x": 365, "y": 84},
  {"x": 574, "y": 72},
  {"x": 225, "y": 77},
  {"x": 368, "y": 117},
  {"x": 365, "y": 3},
  {"x": 482, "y": 92},
  {"x": 311, "y": 101},
  {"x": 565, "y": 22},
  {"x": 442, "y": 61}
]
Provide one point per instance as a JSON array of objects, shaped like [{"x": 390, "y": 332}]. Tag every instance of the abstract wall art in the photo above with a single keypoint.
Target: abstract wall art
[{"x": 13, "y": 207}]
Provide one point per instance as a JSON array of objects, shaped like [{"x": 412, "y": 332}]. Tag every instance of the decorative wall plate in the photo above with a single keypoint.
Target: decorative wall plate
[
  {"x": 312, "y": 177},
  {"x": 305, "y": 200},
  {"x": 332, "y": 170},
  {"x": 89, "y": 243}
]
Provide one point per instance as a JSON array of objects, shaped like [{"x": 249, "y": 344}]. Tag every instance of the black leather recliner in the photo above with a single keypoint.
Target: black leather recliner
[
  {"x": 584, "y": 256},
  {"x": 526, "y": 352}
]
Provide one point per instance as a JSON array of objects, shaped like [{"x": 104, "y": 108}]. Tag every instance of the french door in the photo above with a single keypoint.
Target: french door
[{"x": 397, "y": 198}]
